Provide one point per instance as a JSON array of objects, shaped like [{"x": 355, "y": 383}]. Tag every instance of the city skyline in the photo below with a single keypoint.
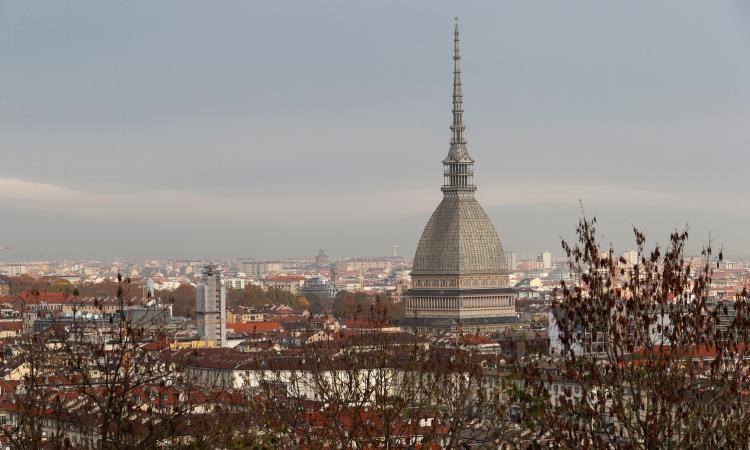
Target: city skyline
[
  {"x": 210, "y": 222},
  {"x": 275, "y": 136}
]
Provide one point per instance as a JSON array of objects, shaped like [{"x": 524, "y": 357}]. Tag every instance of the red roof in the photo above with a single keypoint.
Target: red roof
[
  {"x": 8, "y": 386},
  {"x": 48, "y": 297},
  {"x": 284, "y": 278},
  {"x": 476, "y": 339},
  {"x": 254, "y": 327},
  {"x": 695, "y": 351},
  {"x": 11, "y": 325},
  {"x": 156, "y": 345}
]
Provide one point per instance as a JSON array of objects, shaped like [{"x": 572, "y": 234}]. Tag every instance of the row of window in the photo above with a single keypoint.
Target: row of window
[
  {"x": 451, "y": 282},
  {"x": 455, "y": 303}
]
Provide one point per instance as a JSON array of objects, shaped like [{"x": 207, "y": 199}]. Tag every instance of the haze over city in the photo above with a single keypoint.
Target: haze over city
[
  {"x": 401, "y": 225},
  {"x": 251, "y": 129}
]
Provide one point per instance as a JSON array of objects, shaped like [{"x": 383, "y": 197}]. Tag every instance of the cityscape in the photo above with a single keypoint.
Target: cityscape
[{"x": 450, "y": 340}]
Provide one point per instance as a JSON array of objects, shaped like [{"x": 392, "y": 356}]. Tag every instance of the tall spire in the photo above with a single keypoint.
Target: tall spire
[
  {"x": 457, "y": 129},
  {"x": 458, "y": 164}
]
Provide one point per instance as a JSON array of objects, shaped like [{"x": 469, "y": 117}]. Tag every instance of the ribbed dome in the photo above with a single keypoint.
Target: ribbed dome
[{"x": 459, "y": 239}]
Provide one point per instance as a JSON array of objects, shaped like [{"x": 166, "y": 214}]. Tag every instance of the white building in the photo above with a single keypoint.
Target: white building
[
  {"x": 511, "y": 260},
  {"x": 288, "y": 283},
  {"x": 15, "y": 270},
  {"x": 546, "y": 259},
  {"x": 237, "y": 282},
  {"x": 319, "y": 286},
  {"x": 258, "y": 268},
  {"x": 631, "y": 258}
]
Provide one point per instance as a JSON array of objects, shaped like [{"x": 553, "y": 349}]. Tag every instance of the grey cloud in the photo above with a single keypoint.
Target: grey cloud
[{"x": 289, "y": 117}]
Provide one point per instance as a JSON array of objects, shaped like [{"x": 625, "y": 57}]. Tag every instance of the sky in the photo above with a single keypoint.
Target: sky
[{"x": 181, "y": 128}]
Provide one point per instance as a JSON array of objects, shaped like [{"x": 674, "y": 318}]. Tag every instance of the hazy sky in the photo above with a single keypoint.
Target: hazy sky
[{"x": 258, "y": 129}]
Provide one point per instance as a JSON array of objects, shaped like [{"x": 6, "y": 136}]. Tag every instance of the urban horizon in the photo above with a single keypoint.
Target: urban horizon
[{"x": 579, "y": 279}]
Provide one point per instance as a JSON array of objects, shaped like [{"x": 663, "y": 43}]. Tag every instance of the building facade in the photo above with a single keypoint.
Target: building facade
[
  {"x": 211, "y": 308},
  {"x": 288, "y": 283},
  {"x": 460, "y": 275},
  {"x": 511, "y": 261},
  {"x": 365, "y": 264},
  {"x": 321, "y": 259},
  {"x": 258, "y": 268},
  {"x": 545, "y": 258},
  {"x": 237, "y": 282},
  {"x": 319, "y": 287},
  {"x": 631, "y": 258}
]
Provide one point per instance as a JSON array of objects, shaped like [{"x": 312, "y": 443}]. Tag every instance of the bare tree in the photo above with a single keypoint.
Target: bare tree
[
  {"x": 380, "y": 389},
  {"x": 646, "y": 357},
  {"x": 96, "y": 384}
]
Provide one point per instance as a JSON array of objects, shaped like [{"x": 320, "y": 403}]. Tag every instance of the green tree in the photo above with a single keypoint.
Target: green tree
[
  {"x": 183, "y": 299},
  {"x": 26, "y": 283},
  {"x": 250, "y": 296},
  {"x": 107, "y": 288},
  {"x": 281, "y": 297},
  {"x": 303, "y": 302}
]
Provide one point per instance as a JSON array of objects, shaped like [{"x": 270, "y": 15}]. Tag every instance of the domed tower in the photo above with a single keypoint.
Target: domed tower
[{"x": 459, "y": 277}]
